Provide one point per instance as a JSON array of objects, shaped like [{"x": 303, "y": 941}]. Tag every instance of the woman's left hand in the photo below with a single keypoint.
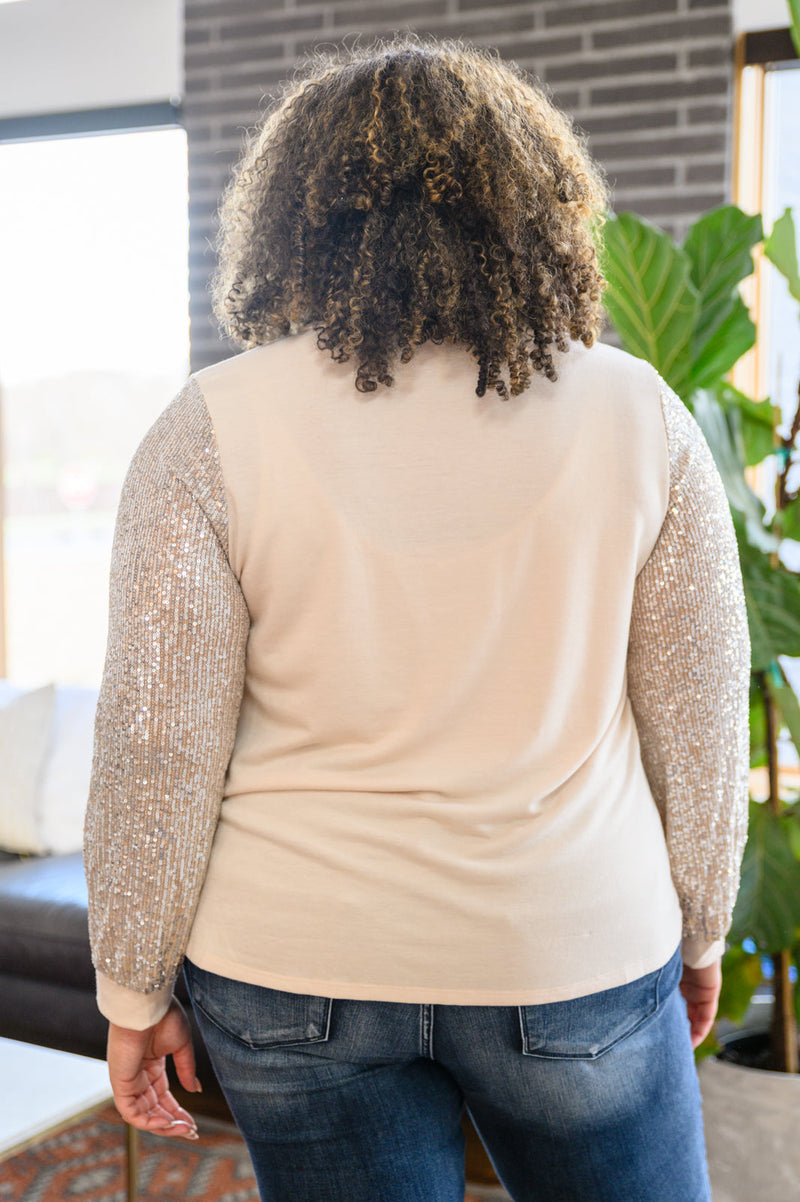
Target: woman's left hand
[
  {"x": 700, "y": 988},
  {"x": 137, "y": 1070}
]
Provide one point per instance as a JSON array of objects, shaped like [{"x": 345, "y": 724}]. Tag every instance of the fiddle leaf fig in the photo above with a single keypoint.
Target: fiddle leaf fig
[
  {"x": 650, "y": 296},
  {"x": 772, "y": 596},
  {"x": 719, "y": 247},
  {"x": 768, "y": 906},
  {"x": 741, "y": 973},
  {"x": 729, "y": 456},
  {"x": 752, "y": 422},
  {"x": 788, "y": 706},
  {"x": 790, "y": 519},
  {"x": 781, "y": 249}
]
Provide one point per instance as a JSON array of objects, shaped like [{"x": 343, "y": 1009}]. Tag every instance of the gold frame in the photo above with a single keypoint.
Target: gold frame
[{"x": 747, "y": 189}]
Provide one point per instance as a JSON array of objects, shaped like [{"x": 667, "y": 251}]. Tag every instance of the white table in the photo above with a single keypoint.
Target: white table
[{"x": 42, "y": 1091}]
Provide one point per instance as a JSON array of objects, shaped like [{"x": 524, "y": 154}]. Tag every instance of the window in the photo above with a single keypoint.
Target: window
[
  {"x": 781, "y": 190},
  {"x": 767, "y": 181},
  {"x": 94, "y": 342}
]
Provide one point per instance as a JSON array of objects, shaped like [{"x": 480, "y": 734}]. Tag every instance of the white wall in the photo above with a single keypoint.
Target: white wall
[
  {"x": 63, "y": 55},
  {"x": 760, "y": 14}
]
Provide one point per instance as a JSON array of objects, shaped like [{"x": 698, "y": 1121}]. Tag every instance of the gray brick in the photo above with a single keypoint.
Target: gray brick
[
  {"x": 270, "y": 27},
  {"x": 202, "y": 11},
  {"x": 203, "y": 206},
  {"x": 709, "y": 3},
  {"x": 246, "y": 105},
  {"x": 693, "y": 203},
  {"x": 194, "y": 36},
  {"x": 603, "y": 67},
  {"x": 680, "y": 29},
  {"x": 705, "y": 173},
  {"x": 660, "y": 148},
  {"x": 592, "y": 14},
  {"x": 230, "y": 136},
  {"x": 709, "y": 114},
  {"x": 633, "y": 119},
  {"x": 230, "y": 55},
  {"x": 467, "y": 6},
  {"x": 203, "y": 182},
  {"x": 398, "y": 14},
  {"x": 712, "y": 56},
  {"x": 679, "y": 89},
  {"x": 202, "y": 258},
  {"x": 217, "y": 158},
  {"x": 642, "y": 177},
  {"x": 262, "y": 78},
  {"x": 566, "y": 100},
  {"x": 546, "y": 48}
]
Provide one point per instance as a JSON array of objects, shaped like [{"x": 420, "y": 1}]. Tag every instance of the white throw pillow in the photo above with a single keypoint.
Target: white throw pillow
[
  {"x": 67, "y": 772},
  {"x": 26, "y": 720}
]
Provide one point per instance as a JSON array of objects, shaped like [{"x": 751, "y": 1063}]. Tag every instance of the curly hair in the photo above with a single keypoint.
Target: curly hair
[{"x": 410, "y": 191}]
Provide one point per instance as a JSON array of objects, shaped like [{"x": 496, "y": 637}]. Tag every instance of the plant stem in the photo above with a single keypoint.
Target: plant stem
[
  {"x": 782, "y": 494},
  {"x": 783, "y": 1033}
]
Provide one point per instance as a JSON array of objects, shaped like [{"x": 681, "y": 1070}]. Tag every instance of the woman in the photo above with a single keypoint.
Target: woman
[{"x": 422, "y": 738}]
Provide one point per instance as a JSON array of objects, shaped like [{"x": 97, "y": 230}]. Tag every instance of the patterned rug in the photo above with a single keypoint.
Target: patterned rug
[{"x": 86, "y": 1163}]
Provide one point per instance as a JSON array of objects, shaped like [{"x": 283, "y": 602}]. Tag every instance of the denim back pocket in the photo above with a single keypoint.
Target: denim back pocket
[
  {"x": 585, "y": 1028},
  {"x": 255, "y": 1015}
]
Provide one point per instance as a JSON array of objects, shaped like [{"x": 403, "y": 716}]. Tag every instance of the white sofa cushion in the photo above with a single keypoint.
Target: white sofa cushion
[
  {"x": 26, "y": 720},
  {"x": 46, "y": 738},
  {"x": 67, "y": 770}
]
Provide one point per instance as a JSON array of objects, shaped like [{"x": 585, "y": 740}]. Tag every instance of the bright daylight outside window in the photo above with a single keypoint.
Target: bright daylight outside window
[{"x": 94, "y": 343}]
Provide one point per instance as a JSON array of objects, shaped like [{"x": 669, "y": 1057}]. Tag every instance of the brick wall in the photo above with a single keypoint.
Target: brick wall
[{"x": 648, "y": 80}]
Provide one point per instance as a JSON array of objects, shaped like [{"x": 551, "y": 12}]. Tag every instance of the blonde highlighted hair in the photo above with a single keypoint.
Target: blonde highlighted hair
[{"x": 410, "y": 191}]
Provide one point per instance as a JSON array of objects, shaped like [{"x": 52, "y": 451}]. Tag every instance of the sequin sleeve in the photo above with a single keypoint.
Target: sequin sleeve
[
  {"x": 167, "y": 712},
  {"x": 688, "y": 681}
]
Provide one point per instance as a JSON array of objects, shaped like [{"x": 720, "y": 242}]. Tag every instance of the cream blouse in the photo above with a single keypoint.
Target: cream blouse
[{"x": 417, "y": 696}]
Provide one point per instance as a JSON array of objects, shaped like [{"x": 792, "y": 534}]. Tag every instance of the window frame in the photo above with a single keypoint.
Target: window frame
[{"x": 755, "y": 53}]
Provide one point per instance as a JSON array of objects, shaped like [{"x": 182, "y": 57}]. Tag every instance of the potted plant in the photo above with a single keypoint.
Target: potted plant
[{"x": 679, "y": 307}]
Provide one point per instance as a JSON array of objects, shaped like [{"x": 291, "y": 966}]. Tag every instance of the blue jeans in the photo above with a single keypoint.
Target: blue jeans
[{"x": 353, "y": 1101}]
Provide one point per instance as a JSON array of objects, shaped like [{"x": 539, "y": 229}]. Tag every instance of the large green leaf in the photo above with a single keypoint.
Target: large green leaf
[
  {"x": 790, "y": 520},
  {"x": 772, "y": 595},
  {"x": 734, "y": 335},
  {"x": 753, "y": 425},
  {"x": 729, "y": 458},
  {"x": 785, "y": 699},
  {"x": 741, "y": 972},
  {"x": 649, "y": 296},
  {"x": 768, "y": 906},
  {"x": 719, "y": 248},
  {"x": 781, "y": 248}
]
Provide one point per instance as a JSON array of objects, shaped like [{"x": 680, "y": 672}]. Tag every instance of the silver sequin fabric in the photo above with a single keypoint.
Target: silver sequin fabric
[
  {"x": 688, "y": 681},
  {"x": 169, "y": 700}
]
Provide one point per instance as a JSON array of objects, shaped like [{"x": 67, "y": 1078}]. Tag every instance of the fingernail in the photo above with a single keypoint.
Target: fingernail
[{"x": 198, "y": 1087}]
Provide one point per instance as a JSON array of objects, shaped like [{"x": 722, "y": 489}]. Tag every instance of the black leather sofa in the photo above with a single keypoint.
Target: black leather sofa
[{"x": 47, "y": 987}]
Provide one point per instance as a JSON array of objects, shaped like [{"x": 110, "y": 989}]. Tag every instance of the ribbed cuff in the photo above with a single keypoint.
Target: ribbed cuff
[
  {"x": 126, "y": 1008},
  {"x": 699, "y": 953}
]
